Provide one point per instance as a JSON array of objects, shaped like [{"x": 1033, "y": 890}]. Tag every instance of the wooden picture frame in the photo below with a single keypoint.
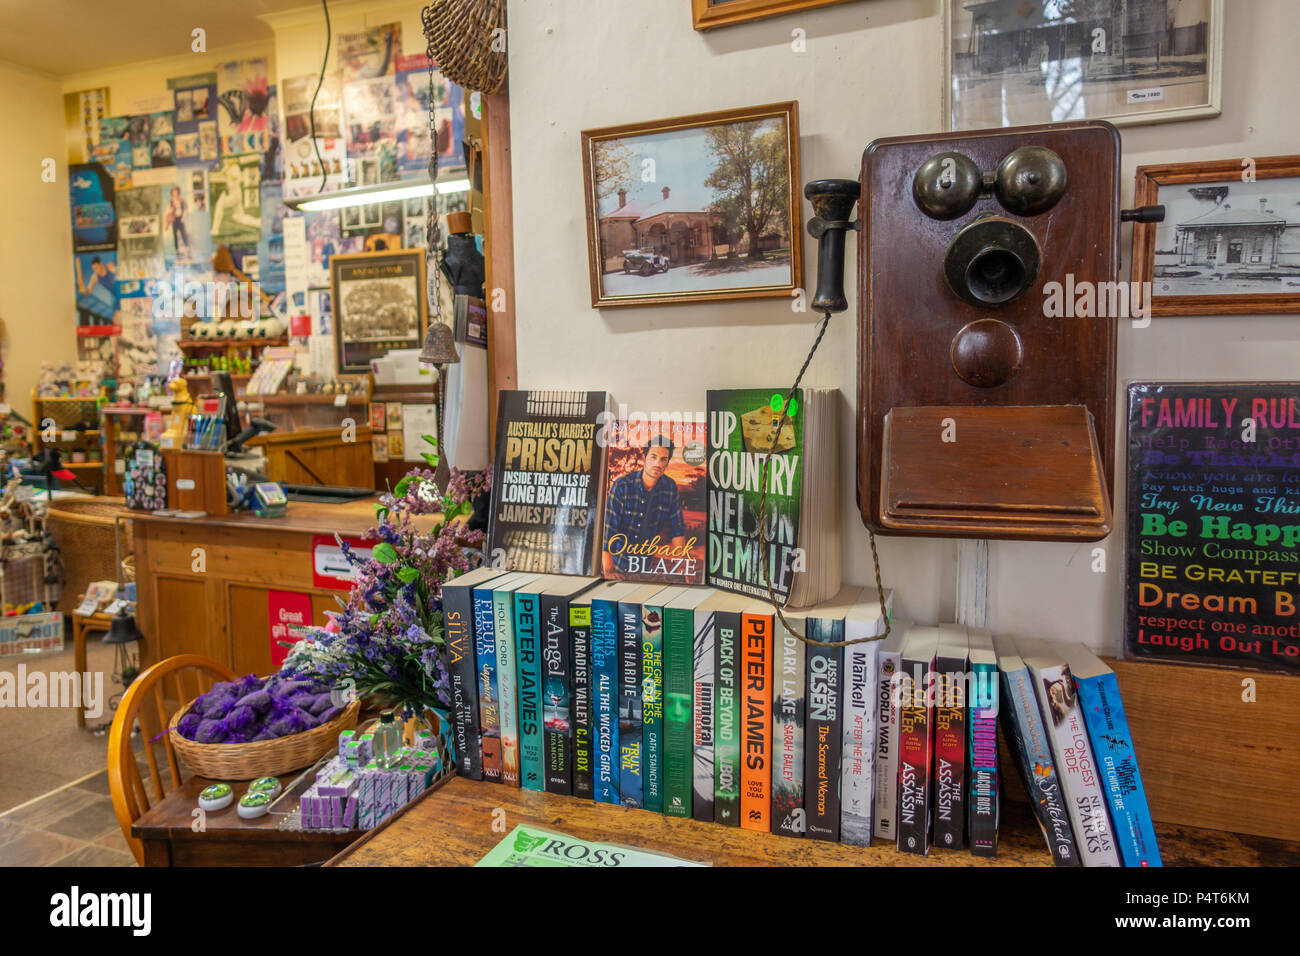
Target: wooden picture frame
[
  {"x": 394, "y": 299},
  {"x": 1130, "y": 71},
  {"x": 708, "y": 14},
  {"x": 646, "y": 246},
  {"x": 1227, "y": 228}
]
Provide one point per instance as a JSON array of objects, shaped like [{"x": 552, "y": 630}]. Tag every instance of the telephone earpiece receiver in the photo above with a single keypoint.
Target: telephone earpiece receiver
[{"x": 986, "y": 392}]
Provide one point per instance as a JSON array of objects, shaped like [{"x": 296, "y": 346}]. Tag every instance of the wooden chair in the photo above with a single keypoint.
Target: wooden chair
[{"x": 130, "y": 799}]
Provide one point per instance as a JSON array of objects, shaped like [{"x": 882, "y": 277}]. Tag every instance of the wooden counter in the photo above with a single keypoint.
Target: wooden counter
[{"x": 206, "y": 586}]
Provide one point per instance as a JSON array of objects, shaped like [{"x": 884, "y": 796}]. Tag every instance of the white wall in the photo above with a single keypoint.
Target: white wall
[
  {"x": 37, "y": 288},
  {"x": 872, "y": 69}
]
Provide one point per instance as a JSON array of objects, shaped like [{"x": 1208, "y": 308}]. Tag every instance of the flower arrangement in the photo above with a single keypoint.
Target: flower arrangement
[{"x": 387, "y": 642}]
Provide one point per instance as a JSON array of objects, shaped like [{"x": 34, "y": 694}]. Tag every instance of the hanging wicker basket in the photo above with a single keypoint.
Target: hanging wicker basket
[{"x": 467, "y": 41}]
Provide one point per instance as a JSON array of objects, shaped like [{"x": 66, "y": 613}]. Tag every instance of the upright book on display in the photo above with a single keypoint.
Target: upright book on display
[
  {"x": 458, "y": 622},
  {"x": 605, "y": 659},
  {"x": 1033, "y": 752},
  {"x": 704, "y": 705},
  {"x": 801, "y": 559},
  {"x": 503, "y": 618},
  {"x": 824, "y": 740},
  {"x": 950, "y": 737},
  {"x": 983, "y": 793},
  {"x": 583, "y": 727},
  {"x": 726, "y": 714},
  {"x": 631, "y": 743},
  {"x": 1059, "y": 702},
  {"x": 756, "y": 713},
  {"x": 679, "y": 700},
  {"x": 654, "y": 624},
  {"x": 656, "y": 503},
  {"x": 556, "y": 651},
  {"x": 916, "y": 738},
  {"x": 485, "y": 650},
  {"x": 1112, "y": 744},
  {"x": 788, "y": 725},
  {"x": 864, "y": 617},
  {"x": 548, "y": 481},
  {"x": 888, "y": 669},
  {"x": 528, "y": 675}
]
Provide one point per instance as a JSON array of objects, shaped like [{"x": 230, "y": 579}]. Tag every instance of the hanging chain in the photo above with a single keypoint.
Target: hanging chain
[
  {"x": 432, "y": 227},
  {"x": 762, "y": 510}
]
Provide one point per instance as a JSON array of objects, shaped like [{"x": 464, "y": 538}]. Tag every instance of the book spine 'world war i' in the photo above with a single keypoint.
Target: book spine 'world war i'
[
  {"x": 532, "y": 762},
  {"x": 742, "y": 435},
  {"x": 507, "y": 685},
  {"x": 548, "y": 481},
  {"x": 604, "y": 697},
  {"x": 656, "y": 503},
  {"x": 703, "y": 724},
  {"x": 557, "y": 698},
  {"x": 652, "y": 707},
  {"x": 580, "y": 647},
  {"x": 756, "y": 714},
  {"x": 679, "y": 633},
  {"x": 886, "y": 789},
  {"x": 726, "y": 721},
  {"x": 485, "y": 650},
  {"x": 857, "y": 763},
  {"x": 824, "y": 741},
  {"x": 630, "y": 745},
  {"x": 458, "y": 622},
  {"x": 788, "y": 734}
]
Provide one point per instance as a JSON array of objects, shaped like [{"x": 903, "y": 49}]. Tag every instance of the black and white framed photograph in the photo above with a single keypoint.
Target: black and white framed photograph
[
  {"x": 1230, "y": 240},
  {"x": 379, "y": 306},
  {"x": 1022, "y": 62}
]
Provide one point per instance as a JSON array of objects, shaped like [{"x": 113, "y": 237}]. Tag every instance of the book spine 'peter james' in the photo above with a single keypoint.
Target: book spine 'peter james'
[{"x": 756, "y": 708}]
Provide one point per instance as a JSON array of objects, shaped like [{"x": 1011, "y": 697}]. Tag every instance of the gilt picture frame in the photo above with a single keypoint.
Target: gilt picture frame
[
  {"x": 708, "y": 14},
  {"x": 700, "y": 208}
]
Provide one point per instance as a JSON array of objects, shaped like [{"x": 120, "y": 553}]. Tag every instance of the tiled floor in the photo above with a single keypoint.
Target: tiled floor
[{"x": 73, "y": 826}]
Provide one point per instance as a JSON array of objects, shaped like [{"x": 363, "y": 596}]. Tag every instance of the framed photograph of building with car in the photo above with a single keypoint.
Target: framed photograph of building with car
[{"x": 379, "y": 306}]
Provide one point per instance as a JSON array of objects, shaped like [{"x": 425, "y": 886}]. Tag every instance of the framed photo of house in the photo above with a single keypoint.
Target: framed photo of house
[
  {"x": 708, "y": 14},
  {"x": 1230, "y": 241},
  {"x": 379, "y": 306},
  {"x": 1024, "y": 62},
  {"x": 694, "y": 209}
]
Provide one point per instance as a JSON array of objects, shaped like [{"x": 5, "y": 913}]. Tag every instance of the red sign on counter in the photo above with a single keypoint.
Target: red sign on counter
[{"x": 289, "y": 614}]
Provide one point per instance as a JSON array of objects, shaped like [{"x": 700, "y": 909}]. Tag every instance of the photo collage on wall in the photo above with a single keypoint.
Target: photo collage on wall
[{"x": 165, "y": 188}]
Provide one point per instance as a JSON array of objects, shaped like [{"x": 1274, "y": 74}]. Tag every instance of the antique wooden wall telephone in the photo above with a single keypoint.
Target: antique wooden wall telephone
[{"x": 981, "y": 416}]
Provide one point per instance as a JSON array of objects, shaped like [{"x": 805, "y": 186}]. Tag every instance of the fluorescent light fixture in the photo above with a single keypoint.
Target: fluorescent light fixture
[
  {"x": 366, "y": 196},
  {"x": 454, "y": 186}
]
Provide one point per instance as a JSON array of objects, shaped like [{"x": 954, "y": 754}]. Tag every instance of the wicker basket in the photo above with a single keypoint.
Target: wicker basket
[
  {"x": 461, "y": 34},
  {"x": 262, "y": 758},
  {"x": 83, "y": 530}
]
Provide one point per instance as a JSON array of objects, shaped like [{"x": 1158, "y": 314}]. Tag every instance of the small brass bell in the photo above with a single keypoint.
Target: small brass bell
[{"x": 439, "y": 346}]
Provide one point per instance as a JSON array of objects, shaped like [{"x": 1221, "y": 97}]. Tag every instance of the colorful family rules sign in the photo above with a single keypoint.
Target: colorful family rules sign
[{"x": 1213, "y": 551}]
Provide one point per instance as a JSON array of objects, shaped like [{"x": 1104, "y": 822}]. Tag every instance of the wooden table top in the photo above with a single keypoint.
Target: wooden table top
[
  {"x": 347, "y": 518},
  {"x": 452, "y": 825}
]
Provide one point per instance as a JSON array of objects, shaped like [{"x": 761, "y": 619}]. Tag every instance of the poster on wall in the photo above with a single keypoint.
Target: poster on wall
[
  {"x": 243, "y": 102},
  {"x": 139, "y": 233},
  {"x": 317, "y": 164},
  {"x": 1213, "y": 556},
  {"x": 270, "y": 244},
  {"x": 94, "y": 220},
  {"x": 370, "y": 53},
  {"x": 113, "y": 151},
  {"x": 370, "y": 107},
  {"x": 97, "y": 295},
  {"x": 413, "y": 116},
  {"x": 195, "y": 107},
  {"x": 187, "y": 223},
  {"x": 234, "y": 192}
]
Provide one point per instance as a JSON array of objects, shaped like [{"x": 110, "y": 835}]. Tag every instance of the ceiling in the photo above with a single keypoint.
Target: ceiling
[{"x": 62, "y": 37}]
